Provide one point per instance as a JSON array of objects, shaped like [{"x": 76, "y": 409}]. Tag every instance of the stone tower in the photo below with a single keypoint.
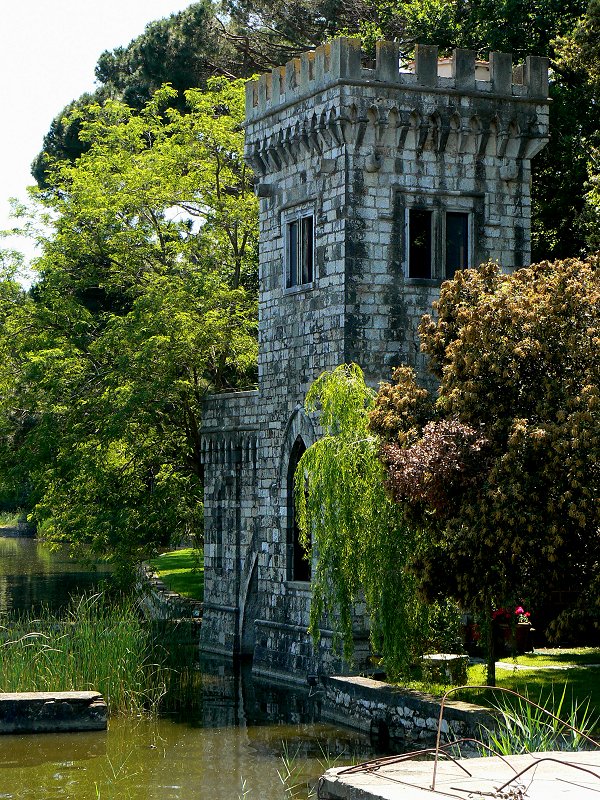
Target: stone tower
[{"x": 375, "y": 185}]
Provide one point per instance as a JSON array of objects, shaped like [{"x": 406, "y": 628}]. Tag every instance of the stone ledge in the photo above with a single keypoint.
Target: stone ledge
[
  {"x": 550, "y": 776},
  {"x": 161, "y": 603},
  {"x": 399, "y": 714},
  {"x": 52, "y": 712}
]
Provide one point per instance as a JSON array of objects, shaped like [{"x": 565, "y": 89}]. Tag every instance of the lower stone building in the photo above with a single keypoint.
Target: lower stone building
[{"x": 375, "y": 184}]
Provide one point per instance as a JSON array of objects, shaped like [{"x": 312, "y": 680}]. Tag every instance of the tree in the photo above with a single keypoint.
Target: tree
[
  {"x": 579, "y": 60},
  {"x": 503, "y": 478},
  {"x": 146, "y": 300},
  {"x": 361, "y": 542},
  {"x": 185, "y": 50}
]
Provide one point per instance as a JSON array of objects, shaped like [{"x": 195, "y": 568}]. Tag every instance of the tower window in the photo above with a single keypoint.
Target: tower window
[
  {"x": 457, "y": 242},
  {"x": 438, "y": 242},
  {"x": 300, "y": 251},
  {"x": 419, "y": 243}
]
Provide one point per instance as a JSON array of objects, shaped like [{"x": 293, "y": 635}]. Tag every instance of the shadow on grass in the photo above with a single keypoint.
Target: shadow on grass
[{"x": 583, "y": 655}]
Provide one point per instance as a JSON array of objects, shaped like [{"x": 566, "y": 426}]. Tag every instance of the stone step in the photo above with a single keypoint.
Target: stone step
[{"x": 52, "y": 712}]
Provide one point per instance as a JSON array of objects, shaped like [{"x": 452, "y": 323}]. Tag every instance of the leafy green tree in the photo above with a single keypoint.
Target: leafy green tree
[
  {"x": 503, "y": 478},
  {"x": 522, "y": 28},
  {"x": 578, "y": 60},
  {"x": 146, "y": 300},
  {"x": 14, "y": 309},
  {"x": 185, "y": 50}
]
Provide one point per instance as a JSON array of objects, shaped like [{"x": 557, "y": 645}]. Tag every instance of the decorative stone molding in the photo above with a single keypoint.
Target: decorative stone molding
[{"x": 485, "y": 108}]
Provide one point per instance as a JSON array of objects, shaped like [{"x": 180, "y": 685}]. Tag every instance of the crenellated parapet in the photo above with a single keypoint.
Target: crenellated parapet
[
  {"x": 341, "y": 60},
  {"x": 327, "y": 98}
]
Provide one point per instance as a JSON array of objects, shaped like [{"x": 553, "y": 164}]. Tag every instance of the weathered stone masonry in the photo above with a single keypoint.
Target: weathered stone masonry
[{"x": 374, "y": 185}]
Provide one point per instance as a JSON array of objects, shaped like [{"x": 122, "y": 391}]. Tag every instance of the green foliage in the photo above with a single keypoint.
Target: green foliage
[
  {"x": 578, "y": 60},
  {"x": 146, "y": 300},
  {"x": 186, "y": 50},
  {"x": 362, "y": 543},
  {"x": 517, "y": 358},
  {"x": 521, "y": 28}
]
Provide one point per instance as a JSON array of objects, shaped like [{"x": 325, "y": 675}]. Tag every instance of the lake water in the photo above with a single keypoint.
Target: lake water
[
  {"x": 230, "y": 745},
  {"x": 32, "y": 576}
]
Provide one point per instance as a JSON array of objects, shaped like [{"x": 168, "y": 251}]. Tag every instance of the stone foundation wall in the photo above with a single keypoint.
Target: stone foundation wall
[
  {"x": 160, "y": 603},
  {"x": 400, "y": 715},
  {"x": 286, "y": 653}
]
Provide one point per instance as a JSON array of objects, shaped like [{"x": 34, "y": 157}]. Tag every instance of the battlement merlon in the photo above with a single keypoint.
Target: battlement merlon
[{"x": 340, "y": 61}]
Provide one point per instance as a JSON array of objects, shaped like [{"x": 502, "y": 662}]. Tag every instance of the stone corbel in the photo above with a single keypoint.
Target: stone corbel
[
  {"x": 335, "y": 128},
  {"x": 509, "y": 171},
  {"x": 534, "y": 145},
  {"x": 374, "y": 161}
]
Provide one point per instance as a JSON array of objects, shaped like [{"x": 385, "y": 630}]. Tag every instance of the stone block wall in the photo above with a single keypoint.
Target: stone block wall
[
  {"x": 229, "y": 455},
  {"x": 403, "y": 716}
]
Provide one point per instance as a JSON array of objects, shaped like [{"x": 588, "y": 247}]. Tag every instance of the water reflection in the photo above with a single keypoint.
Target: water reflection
[
  {"x": 32, "y": 576},
  {"x": 238, "y": 733}
]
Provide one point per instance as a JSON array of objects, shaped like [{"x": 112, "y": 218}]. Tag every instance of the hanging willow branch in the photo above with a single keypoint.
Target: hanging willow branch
[{"x": 344, "y": 513}]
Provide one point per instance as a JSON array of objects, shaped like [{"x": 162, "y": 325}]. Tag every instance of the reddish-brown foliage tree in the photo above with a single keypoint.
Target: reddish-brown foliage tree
[{"x": 504, "y": 480}]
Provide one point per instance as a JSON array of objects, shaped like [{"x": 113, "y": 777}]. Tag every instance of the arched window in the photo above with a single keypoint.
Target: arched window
[{"x": 297, "y": 557}]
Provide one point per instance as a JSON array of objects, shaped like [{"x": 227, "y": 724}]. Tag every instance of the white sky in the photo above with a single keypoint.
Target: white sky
[{"x": 48, "y": 51}]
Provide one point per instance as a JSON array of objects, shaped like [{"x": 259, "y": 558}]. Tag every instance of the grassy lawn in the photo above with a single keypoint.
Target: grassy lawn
[
  {"x": 182, "y": 571},
  {"x": 557, "y": 657},
  {"x": 582, "y": 679}
]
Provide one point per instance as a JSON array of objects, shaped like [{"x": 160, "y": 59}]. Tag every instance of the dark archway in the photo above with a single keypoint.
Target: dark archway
[{"x": 297, "y": 557}]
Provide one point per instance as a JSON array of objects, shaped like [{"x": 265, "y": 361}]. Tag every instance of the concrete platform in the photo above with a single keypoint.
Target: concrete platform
[
  {"x": 551, "y": 775},
  {"x": 52, "y": 712}
]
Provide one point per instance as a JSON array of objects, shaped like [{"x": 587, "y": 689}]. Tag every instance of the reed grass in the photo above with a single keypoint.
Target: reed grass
[
  {"x": 523, "y": 727},
  {"x": 96, "y": 644}
]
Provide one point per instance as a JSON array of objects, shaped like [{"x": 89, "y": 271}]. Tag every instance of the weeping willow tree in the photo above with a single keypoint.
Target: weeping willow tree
[{"x": 361, "y": 540}]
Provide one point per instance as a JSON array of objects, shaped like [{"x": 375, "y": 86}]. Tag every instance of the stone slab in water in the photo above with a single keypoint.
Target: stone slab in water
[{"x": 52, "y": 712}]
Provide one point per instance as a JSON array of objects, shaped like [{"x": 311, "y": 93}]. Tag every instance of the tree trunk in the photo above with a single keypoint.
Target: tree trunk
[{"x": 490, "y": 651}]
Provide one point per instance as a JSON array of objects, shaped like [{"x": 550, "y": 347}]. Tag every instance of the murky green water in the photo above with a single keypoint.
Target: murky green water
[
  {"x": 229, "y": 745},
  {"x": 211, "y": 756},
  {"x": 31, "y": 575}
]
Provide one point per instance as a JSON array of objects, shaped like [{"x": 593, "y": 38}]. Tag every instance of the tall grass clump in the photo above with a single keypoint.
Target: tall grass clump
[
  {"x": 523, "y": 727},
  {"x": 98, "y": 643},
  {"x": 10, "y": 519}
]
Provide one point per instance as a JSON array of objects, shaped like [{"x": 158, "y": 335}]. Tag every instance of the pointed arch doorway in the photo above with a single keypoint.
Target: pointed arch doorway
[{"x": 298, "y": 563}]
